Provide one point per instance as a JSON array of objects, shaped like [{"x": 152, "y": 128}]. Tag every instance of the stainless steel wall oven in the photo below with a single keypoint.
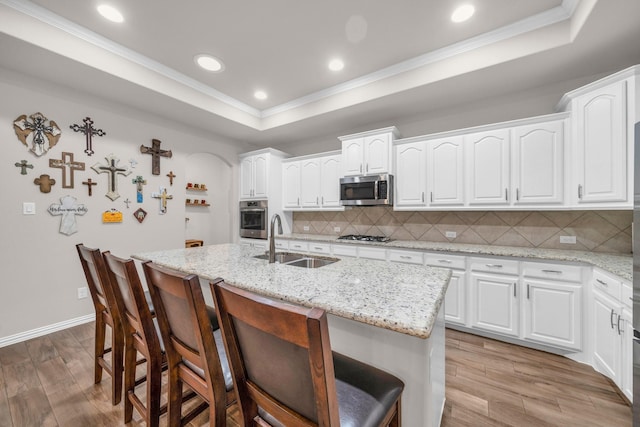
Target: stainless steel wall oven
[{"x": 253, "y": 219}]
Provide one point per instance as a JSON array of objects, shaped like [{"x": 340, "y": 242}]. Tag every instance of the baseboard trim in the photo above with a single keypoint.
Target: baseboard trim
[{"x": 38, "y": 332}]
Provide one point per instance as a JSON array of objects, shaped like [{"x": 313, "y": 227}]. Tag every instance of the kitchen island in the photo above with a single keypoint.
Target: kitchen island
[{"x": 386, "y": 314}]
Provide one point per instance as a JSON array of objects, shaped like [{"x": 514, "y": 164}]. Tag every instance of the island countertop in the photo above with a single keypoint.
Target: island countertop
[{"x": 400, "y": 297}]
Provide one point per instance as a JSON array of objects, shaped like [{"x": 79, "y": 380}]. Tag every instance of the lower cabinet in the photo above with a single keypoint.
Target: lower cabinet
[
  {"x": 494, "y": 303},
  {"x": 455, "y": 300},
  {"x": 627, "y": 353},
  {"x": 607, "y": 341}
]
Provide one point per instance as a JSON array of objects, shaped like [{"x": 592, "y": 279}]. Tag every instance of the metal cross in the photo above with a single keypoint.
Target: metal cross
[
  {"x": 68, "y": 167},
  {"x": 126, "y": 202},
  {"x": 90, "y": 184},
  {"x": 155, "y": 152},
  {"x": 24, "y": 165},
  {"x": 44, "y": 136},
  {"x": 171, "y": 176},
  {"x": 88, "y": 131},
  {"x": 112, "y": 170}
]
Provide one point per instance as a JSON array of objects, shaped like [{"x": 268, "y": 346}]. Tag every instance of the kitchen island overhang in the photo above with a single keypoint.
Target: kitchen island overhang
[{"x": 389, "y": 315}]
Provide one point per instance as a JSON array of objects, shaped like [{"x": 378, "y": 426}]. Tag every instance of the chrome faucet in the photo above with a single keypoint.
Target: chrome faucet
[{"x": 272, "y": 239}]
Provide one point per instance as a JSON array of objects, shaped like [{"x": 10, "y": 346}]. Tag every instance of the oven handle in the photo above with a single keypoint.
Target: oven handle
[
  {"x": 375, "y": 190},
  {"x": 252, "y": 210}
]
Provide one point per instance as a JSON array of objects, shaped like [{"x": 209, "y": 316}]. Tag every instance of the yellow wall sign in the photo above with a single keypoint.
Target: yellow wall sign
[{"x": 112, "y": 216}]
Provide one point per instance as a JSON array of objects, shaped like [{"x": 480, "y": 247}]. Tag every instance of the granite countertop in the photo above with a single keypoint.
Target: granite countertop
[
  {"x": 619, "y": 265},
  {"x": 401, "y": 297}
]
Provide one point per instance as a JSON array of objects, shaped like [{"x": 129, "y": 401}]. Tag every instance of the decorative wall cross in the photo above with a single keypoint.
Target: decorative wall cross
[
  {"x": 90, "y": 184},
  {"x": 156, "y": 153},
  {"x": 163, "y": 196},
  {"x": 171, "y": 176},
  {"x": 45, "y": 183},
  {"x": 44, "y": 133},
  {"x": 112, "y": 170},
  {"x": 139, "y": 182},
  {"x": 126, "y": 202},
  {"x": 68, "y": 208},
  {"x": 88, "y": 130},
  {"x": 68, "y": 167},
  {"x": 23, "y": 165}
]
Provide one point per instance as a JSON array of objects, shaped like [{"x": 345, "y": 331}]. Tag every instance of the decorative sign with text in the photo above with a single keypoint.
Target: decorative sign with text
[
  {"x": 68, "y": 209},
  {"x": 112, "y": 215}
]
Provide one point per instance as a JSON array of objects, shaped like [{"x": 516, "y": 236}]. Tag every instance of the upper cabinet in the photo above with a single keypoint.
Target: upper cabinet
[
  {"x": 368, "y": 153},
  {"x": 410, "y": 181},
  {"x": 312, "y": 182},
  {"x": 488, "y": 167},
  {"x": 258, "y": 170},
  {"x": 445, "y": 171}
]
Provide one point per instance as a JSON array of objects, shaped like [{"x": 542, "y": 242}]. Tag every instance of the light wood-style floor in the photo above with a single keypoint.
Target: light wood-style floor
[{"x": 48, "y": 381}]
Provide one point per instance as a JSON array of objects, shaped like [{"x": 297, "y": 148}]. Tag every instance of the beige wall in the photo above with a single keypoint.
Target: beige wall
[{"x": 598, "y": 231}]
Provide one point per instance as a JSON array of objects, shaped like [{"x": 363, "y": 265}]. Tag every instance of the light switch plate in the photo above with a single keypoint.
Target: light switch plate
[
  {"x": 28, "y": 208},
  {"x": 305, "y": 227},
  {"x": 336, "y": 229},
  {"x": 568, "y": 239},
  {"x": 450, "y": 234}
]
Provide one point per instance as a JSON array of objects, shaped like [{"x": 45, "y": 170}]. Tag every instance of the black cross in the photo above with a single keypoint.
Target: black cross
[
  {"x": 112, "y": 169},
  {"x": 88, "y": 131},
  {"x": 155, "y": 152}
]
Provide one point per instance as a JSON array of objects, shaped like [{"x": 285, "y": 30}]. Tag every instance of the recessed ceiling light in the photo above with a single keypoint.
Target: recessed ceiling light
[
  {"x": 336, "y": 65},
  {"x": 462, "y": 13},
  {"x": 209, "y": 63},
  {"x": 110, "y": 13},
  {"x": 260, "y": 94}
]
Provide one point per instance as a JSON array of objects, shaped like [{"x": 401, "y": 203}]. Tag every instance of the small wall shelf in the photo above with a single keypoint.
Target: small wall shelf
[{"x": 196, "y": 204}]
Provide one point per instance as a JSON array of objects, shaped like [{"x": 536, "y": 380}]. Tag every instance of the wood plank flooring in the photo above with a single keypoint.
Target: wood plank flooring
[{"x": 48, "y": 381}]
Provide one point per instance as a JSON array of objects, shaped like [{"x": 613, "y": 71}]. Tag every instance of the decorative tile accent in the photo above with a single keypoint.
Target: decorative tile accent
[{"x": 597, "y": 231}]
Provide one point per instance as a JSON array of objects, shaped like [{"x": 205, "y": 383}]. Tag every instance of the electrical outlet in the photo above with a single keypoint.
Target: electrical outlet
[
  {"x": 450, "y": 234},
  {"x": 336, "y": 229},
  {"x": 571, "y": 240},
  {"x": 28, "y": 208},
  {"x": 83, "y": 292},
  {"x": 305, "y": 227}
]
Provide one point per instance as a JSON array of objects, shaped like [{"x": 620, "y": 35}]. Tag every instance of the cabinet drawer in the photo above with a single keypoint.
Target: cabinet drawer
[
  {"x": 372, "y": 253},
  {"x": 344, "y": 250},
  {"x": 320, "y": 248},
  {"x": 627, "y": 294},
  {"x": 282, "y": 244},
  {"x": 607, "y": 283},
  {"x": 570, "y": 273},
  {"x": 298, "y": 246},
  {"x": 494, "y": 265},
  {"x": 445, "y": 260},
  {"x": 405, "y": 256}
]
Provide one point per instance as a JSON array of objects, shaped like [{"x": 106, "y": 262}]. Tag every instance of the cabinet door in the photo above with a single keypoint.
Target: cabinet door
[
  {"x": 330, "y": 181},
  {"x": 455, "y": 301},
  {"x": 488, "y": 167},
  {"x": 310, "y": 183},
  {"x": 601, "y": 144},
  {"x": 352, "y": 157},
  {"x": 538, "y": 163},
  {"x": 246, "y": 177},
  {"x": 410, "y": 178},
  {"x": 445, "y": 168},
  {"x": 261, "y": 176},
  {"x": 495, "y": 303},
  {"x": 626, "y": 332},
  {"x": 291, "y": 185},
  {"x": 606, "y": 341},
  {"x": 377, "y": 150},
  {"x": 553, "y": 313}
]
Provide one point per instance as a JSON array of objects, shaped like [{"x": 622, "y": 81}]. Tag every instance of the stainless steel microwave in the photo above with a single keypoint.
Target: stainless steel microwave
[{"x": 366, "y": 190}]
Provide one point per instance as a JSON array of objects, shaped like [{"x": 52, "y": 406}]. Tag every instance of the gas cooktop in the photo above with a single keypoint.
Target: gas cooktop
[{"x": 364, "y": 238}]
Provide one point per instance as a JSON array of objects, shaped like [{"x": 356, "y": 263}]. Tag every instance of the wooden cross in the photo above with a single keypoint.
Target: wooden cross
[
  {"x": 24, "y": 165},
  {"x": 112, "y": 170},
  {"x": 155, "y": 152},
  {"x": 68, "y": 208},
  {"x": 163, "y": 196},
  {"x": 45, "y": 183},
  {"x": 139, "y": 182},
  {"x": 68, "y": 167},
  {"x": 90, "y": 184},
  {"x": 88, "y": 131},
  {"x": 171, "y": 176}
]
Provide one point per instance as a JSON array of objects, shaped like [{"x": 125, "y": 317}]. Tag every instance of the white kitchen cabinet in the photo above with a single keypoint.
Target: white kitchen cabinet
[
  {"x": 600, "y": 144},
  {"x": 606, "y": 341},
  {"x": 310, "y": 183},
  {"x": 291, "y": 184},
  {"x": 410, "y": 178},
  {"x": 255, "y": 243},
  {"x": 626, "y": 332},
  {"x": 330, "y": 181},
  {"x": 368, "y": 153},
  {"x": 445, "y": 171},
  {"x": 538, "y": 163},
  {"x": 455, "y": 303},
  {"x": 488, "y": 167},
  {"x": 495, "y": 303},
  {"x": 260, "y": 174},
  {"x": 408, "y": 257}
]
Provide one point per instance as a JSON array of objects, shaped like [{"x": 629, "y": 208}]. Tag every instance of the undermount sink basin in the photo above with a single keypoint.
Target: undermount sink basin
[{"x": 299, "y": 260}]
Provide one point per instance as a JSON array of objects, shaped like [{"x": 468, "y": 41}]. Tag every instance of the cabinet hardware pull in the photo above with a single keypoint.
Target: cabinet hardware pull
[
  {"x": 514, "y": 290},
  {"x": 528, "y": 291},
  {"x": 506, "y": 194},
  {"x": 517, "y": 194},
  {"x": 431, "y": 197},
  {"x": 322, "y": 199},
  {"x": 619, "y": 331},
  {"x": 579, "y": 191},
  {"x": 444, "y": 261},
  {"x": 405, "y": 257},
  {"x": 423, "y": 197},
  {"x": 611, "y": 318},
  {"x": 552, "y": 271},
  {"x": 360, "y": 167},
  {"x": 494, "y": 265},
  {"x": 317, "y": 202},
  {"x": 317, "y": 248},
  {"x": 602, "y": 282},
  {"x": 298, "y": 201}
]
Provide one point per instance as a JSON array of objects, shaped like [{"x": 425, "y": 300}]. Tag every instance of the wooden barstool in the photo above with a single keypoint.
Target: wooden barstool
[
  {"x": 285, "y": 372},
  {"x": 107, "y": 313},
  {"x": 195, "y": 352}
]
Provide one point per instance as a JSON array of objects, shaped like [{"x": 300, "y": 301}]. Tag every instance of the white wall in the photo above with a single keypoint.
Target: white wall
[{"x": 40, "y": 267}]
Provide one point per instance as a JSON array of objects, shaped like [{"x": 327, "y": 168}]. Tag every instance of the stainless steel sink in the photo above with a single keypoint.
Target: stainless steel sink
[{"x": 299, "y": 260}]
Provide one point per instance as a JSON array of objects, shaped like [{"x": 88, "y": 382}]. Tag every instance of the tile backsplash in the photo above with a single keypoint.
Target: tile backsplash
[{"x": 597, "y": 231}]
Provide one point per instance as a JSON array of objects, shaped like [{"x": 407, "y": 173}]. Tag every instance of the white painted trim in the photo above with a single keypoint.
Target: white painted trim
[{"x": 44, "y": 330}]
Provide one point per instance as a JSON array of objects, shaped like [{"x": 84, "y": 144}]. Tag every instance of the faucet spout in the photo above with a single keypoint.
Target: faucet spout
[{"x": 272, "y": 239}]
